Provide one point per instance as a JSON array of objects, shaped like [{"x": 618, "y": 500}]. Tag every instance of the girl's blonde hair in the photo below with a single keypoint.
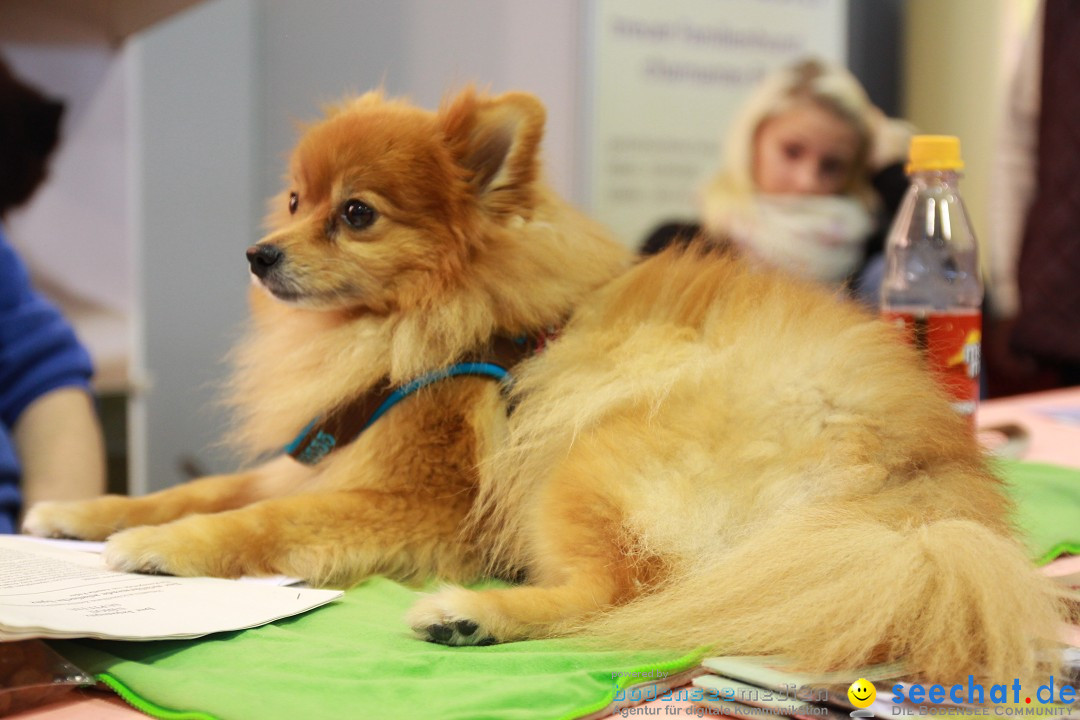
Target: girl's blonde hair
[{"x": 829, "y": 86}]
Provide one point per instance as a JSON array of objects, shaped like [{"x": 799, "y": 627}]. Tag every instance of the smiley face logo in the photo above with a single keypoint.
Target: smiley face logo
[{"x": 861, "y": 693}]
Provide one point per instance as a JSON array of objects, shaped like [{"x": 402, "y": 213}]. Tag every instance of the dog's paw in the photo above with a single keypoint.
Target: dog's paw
[
  {"x": 142, "y": 550},
  {"x": 435, "y": 618},
  {"x": 194, "y": 546},
  {"x": 457, "y": 633},
  {"x": 81, "y": 519},
  {"x": 184, "y": 548}
]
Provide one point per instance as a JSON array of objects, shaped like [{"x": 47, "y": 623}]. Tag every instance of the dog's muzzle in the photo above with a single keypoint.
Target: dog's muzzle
[{"x": 263, "y": 258}]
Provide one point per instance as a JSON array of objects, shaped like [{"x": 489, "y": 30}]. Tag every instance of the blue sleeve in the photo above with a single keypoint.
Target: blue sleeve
[{"x": 38, "y": 349}]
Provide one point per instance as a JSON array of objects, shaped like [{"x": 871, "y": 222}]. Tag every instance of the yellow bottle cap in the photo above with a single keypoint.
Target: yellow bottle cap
[{"x": 934, "y": 152}]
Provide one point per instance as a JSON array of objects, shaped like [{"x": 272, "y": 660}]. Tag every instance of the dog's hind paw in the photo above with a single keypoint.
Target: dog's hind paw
[
  {"x": 434, "y": 619},
  {"x": 457, "y": 632}
]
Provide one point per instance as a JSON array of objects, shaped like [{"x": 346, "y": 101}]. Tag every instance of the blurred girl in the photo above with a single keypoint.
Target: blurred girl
[{"x": 810, "y": 177}]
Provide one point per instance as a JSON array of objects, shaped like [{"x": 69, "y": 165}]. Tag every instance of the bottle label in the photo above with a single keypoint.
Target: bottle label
[{"x": 951, "y": 344}]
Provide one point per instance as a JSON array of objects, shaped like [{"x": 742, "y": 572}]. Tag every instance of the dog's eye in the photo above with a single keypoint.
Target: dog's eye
[
  {"x": 294, "y": 202},
  {"x": 357, "y": 214}
]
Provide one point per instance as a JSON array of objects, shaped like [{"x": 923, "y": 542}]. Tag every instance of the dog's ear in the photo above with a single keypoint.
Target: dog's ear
[{"x": 497, "y": 141}]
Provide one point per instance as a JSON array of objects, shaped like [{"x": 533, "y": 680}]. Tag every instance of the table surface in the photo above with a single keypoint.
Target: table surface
[{"x": 1052, "y": 420}]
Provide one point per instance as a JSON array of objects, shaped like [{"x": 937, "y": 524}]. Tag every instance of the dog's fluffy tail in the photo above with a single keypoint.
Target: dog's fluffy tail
[{"x": 949, "y": 598}]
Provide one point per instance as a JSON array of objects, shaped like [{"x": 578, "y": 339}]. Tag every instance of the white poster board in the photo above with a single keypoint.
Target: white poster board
[{"x": 666, "y": 77}]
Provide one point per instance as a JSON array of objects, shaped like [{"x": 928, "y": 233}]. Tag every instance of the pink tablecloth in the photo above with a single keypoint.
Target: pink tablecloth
[
  {"x": 83, "y": 705},
  {"x": 1052, "y": 420}
]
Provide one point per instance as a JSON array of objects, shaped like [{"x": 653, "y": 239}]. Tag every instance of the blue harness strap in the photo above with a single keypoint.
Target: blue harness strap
[
  {"x": 344, "y": 423},
  {"x": 325, "y": 434},
  {"x": 483, "y": 369}
]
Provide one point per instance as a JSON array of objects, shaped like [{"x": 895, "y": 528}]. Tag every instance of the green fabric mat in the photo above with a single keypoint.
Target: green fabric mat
[
  {"x": 355, "y": 658},
  {"x": 1047, "y": 506}
]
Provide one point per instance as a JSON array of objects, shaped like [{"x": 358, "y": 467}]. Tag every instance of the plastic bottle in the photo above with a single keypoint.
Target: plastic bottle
[{"x": 932, "y": 285}]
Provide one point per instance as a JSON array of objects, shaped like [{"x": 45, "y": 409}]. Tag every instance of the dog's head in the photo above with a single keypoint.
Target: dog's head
[{"x": 386, "y": 204}]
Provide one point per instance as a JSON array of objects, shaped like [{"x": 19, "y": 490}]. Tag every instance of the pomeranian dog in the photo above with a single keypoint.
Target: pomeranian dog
[
  {"x": 709, "y": 454},
  {"x": 406, "y": 242}
]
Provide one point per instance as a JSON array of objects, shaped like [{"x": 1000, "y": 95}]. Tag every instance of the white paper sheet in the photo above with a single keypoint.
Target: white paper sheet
[{"x": 57, "y": 592}]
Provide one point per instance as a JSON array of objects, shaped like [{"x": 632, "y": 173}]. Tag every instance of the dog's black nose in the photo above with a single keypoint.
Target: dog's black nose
[{"x": 263, "y": 258}]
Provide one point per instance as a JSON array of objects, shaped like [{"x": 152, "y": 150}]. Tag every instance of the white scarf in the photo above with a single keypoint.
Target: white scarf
[{"x": 820, "y": 237}]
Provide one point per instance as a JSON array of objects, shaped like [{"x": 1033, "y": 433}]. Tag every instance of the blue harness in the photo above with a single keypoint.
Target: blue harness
[{"x": 344, "y": 424}]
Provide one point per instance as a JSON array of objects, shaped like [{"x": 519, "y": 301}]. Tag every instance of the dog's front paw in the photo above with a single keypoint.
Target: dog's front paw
[
  {"x": 143, "y": 550},
  {"x": 83, "y": 519},
  {"x": 189, "y": 547},
  {"x": 441, "y": 619},
  {"x": 194, "y": 546}
]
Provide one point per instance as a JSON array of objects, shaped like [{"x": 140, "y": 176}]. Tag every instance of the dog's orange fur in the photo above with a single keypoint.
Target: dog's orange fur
[{"x": 711, "y": 454}]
